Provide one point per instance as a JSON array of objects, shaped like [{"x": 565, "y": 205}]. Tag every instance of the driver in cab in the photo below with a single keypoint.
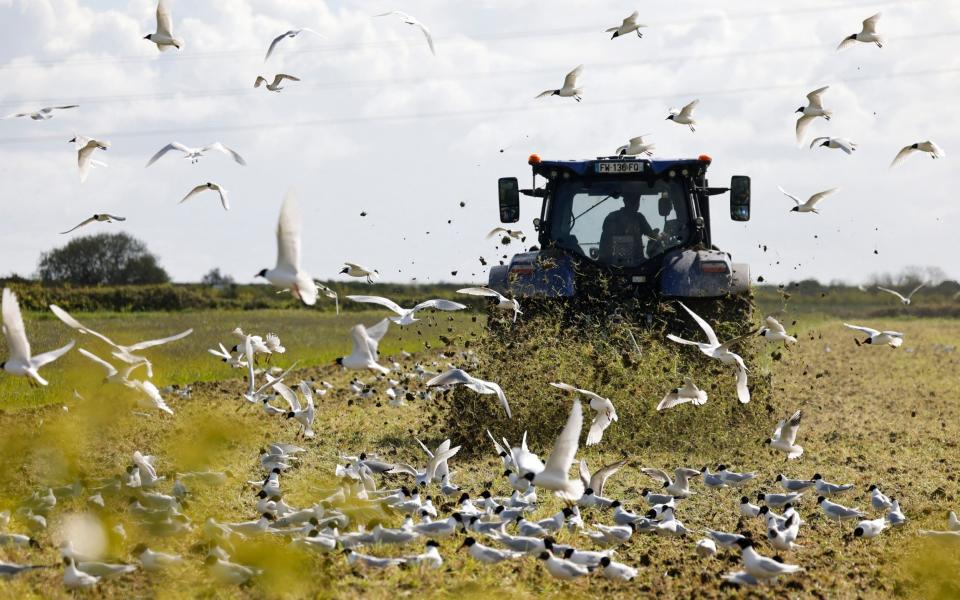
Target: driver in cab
[{"x": 621, "y": 241}]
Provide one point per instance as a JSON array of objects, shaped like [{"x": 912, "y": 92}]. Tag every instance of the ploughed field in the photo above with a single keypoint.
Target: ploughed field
[{"x": 871, "y": 415}]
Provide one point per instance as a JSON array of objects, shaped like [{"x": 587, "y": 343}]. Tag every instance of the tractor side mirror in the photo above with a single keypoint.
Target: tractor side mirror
[
  {"x": 509, "y": 191},
  {"x": 740, "y": 198}
]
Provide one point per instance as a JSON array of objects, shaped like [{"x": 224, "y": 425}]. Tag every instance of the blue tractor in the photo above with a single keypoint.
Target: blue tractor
[{"x": 642, "y": 224}]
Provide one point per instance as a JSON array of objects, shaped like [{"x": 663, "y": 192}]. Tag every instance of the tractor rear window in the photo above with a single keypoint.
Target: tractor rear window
[{"x": 619, "y": 223}]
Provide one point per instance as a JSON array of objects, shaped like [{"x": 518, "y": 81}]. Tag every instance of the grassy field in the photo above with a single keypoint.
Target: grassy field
[{"x": 871, "y": 415}]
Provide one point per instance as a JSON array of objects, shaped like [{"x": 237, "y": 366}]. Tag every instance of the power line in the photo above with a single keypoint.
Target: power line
[
  {"x": 300, "y": 88},
  {"x": 436, "y": 115},
  {"x": 417, "y": 40}
]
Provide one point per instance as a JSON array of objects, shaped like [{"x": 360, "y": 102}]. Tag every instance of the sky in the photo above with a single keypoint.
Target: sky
[{"x": 377, "y": 125}]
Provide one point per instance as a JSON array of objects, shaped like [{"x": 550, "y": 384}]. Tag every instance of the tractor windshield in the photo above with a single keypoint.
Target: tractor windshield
[{"x": 619, "y": 223}]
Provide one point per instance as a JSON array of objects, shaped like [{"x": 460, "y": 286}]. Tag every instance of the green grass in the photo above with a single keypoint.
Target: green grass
[{"x": 871, "y": 415}]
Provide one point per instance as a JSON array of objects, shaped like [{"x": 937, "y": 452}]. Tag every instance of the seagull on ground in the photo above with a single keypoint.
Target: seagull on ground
[
  {"x": 894, "y": 339},
  {"x": 124, "y": 353},
  {"x": 304, "y": 413},
  {"x": 503, "y": 303},
  {"x": 775, "y": 332},
  {"x": 904, "y": 300},
  {"x": 928, "y": 146},
  {"x": 277, "y": 80},
  {"x": 44, "y": 114},
  {"x": 569, "y": 89},
  {"x": 163, "y": 37},
  {"x": 636, "y": 147},
  {"x": 195, "y": 154},
  {"x": 100, "y": 218},
  {"x": 410, "y": 20},
  {"x": 811, "y": 111},
  {"x": 85, "y": 148},
  {"x": 868, "y": 34},
  {"x": 555, "y": 475},
  {"x": 896, "y": 517},
  {"x": 365, "y": 347},
  {"x": 838, "y": 512},
  {"x": 811, "y": 204},
  {"x": 825, "y": 488},
  {"x": 878, "y": 500},
  {"x": 74, "y": 578},
  {"x": 679, "y": 487},
  {"x": 486, "y": 554},
  {"x": 629, "y": 25},
  {"x": 714, "y": 349},
  {"x": 684, "y": 116},
  {"x": 869, "y": 528},
  {"x": 209, "y": 186},
  {"x": 598, "y": 480},
  {"x": 688, "y": 392},
  {"x": 480, "y": 386},
  {"x": 406, "y": 316},
  {"x": 785, "y": 436},
  {"x": 733, "y": 478},
  {"x": 762, "y": 567},
  {"x": 560, "y": 568},
  {"x": 794, "y": 485},
  {"x": 830, "y": 142},
  {"x": 355, "y": 270},
  {"x": 20, "y": 361},
  {"x": 288, "y": 274},
  {"x": 288, "y": 34},
  {"x": 605, "y": 412},
  {"x": 155, "y": 561}
]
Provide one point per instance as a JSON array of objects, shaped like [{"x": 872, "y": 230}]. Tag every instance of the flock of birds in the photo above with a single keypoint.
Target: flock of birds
[{"x": 493, "y": 528}]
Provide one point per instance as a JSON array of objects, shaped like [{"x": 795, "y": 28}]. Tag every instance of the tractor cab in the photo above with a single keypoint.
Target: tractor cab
[{"x": 641, "y": 222}]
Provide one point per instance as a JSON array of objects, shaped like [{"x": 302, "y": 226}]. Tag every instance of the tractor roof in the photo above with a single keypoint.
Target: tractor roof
[{"x": 587, "y": 166}]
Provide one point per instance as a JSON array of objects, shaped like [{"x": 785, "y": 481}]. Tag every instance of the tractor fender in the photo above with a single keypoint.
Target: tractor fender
[{"x": 690, "y": 273}]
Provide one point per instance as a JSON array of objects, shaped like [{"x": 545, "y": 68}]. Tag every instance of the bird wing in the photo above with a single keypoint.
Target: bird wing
[
  {"x": 894, "y": 292},
  {"x": 916, "y": 289},
  {"x": 276, "y": 41},
  {"x": 687, "y": 110},
  {"x": 599, "y": 479},
  {"x": 814, "y": 199},
  {"x": 405, "y": 469},
  {"x": 281, "y": 76},
  {"x": 657, "y": 474},
  {"x": 630, "y": 21},
  {"x": 817, "y": 140},
  {"x": 14, "y": 329},
  {"x": 670, "y": 400},
  {"x": 870, "y": 23},
  {"x": 585, "y": 475},
  {"x": 71, "y": 322},
  {"x": 904, "y": 152},
  {"x": 789, "y": 432},
  {"x": 439, "y": 304},
  {"x": 846, "y": 43},
  {"x": 426, "y": 34},
  {"x": 164, "y": 26},
  {"x": 194, "y": 192},
  {"x": 48, "y": 357},
  {"x": 390, "y": 304},
  {"x": 451, "y": 377},
  {"x": 114, "y": 217},
  {"x": 711, "y": 335},
  {"x": 82, "y": 223},
  {"x": 481, "y": 291},
  {"x": 866, "y": 330},
  {"x": 168, "y": 148},
  {"x": 789, "y": 195},
  {"x": 500, "y": 449},
  {"x": 565, "y": 447},
  {"x": 814, "y": 97},
  {"x": 259, "y": 81},
  {"x": 158, "y": 342},
  {"x": 544, "y": 94},
  {"x": 377, "y": 331},
  {"x": 289, "y": 395},
  {"x": 438, "y": 458},
  {"x": 228, "y": 151},
  {"x": 571, "y": 79},
  {"x": 224, "y": 199},
  {"x": 637, "y": 141},
  {"x": 775, "y": 325},
  {"x": 288, "y": 235},
  {"x": 500, "y": 395},
  {"x": 680, "y": 340},
  {"x": 802, "y": 123},
  {"x": 111, "y": 370},
  {"x": 743, "y": 392}
]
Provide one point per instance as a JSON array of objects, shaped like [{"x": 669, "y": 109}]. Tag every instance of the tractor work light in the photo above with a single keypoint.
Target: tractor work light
[
  {"x": 714, "y": 266},
  {"x": 534, "y": 159},
  {"x": 704, "y": 158}
]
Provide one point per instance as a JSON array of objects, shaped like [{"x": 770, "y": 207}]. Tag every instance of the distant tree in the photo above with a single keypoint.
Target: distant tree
[
  {"x": 910, "y": 276},
  {"x": 102, "y": 259},
  {"x": 217, "y": 279}
]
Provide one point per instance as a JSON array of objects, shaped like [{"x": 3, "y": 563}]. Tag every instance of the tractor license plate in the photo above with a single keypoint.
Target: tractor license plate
[{"x": 615, "y": 168}]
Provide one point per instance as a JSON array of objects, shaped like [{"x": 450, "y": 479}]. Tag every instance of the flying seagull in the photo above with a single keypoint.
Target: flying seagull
[
  {"x": 287, "y": 274},
  {"x": 811, "y": 204},
  {"x": 409, "y": 20},
  {"x": 811, "y": 111},
  {"x": 569, "y": 89},
  {"x": 355, "y": 270},
  {"x": 556, "y": 473},
  {"x": 366, "y": 343},
  {"x": 684, "y": 116},
  {"x": 829, "y": 142},
  {"x": 868, "y": 34},
  {"x": 20, "y": 361},
  {"x": 85, "y": 148},
  {"x": 102, "y": 218},
  {"x": 461, "y": 377},
  {"x": 288, "y": 34},
  {"x": 903, "y": 300},
  {"x": 894, "y": 339},
  {"x": 277, "y": 80},
  {"x": 688, "y": 392},
  {"x": 606, "y": 413},
  {"x": 209, "y": 186},
  {"x": 503, "y": 303},
  {"x": 195, "y": 154},
  {"x": 163, "y": 37},
  {"x": 406, "y": 316},
  {"x": 43, "y": 114},
  {"x": 629, "y": 25},
  {"x": 636, "y": 147},
  {"x": 928, "y": 146},
  {"x": 785, "y": 436}
]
